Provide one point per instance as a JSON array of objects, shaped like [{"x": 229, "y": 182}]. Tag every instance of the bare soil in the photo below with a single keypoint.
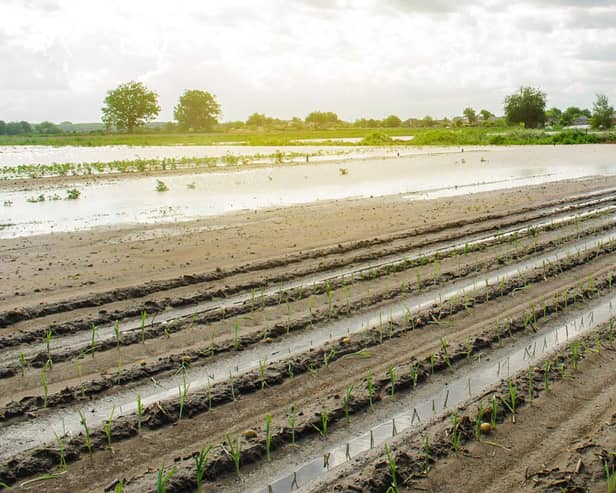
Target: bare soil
[{"x": 67, "y": 282}]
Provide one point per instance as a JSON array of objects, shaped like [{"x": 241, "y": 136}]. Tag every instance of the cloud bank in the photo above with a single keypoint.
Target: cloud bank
[{"x": 289, "y": 57}]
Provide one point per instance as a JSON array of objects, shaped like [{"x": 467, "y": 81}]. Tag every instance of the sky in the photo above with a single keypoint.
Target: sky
[{"x": 285, "y": 58}]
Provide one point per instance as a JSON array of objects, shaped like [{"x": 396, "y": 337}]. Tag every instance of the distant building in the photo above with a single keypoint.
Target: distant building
[{"x": 581, "y": 121}]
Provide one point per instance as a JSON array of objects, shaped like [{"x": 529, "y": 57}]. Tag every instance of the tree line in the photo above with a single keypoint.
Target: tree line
[{"x": 132, "y": 105}]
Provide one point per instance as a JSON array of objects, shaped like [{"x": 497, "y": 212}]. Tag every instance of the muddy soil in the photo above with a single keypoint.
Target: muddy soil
[
  {"x": 561, "y": 440},
  {"x": 312, "y": 378},
  {"x": 55, "y": 267}
]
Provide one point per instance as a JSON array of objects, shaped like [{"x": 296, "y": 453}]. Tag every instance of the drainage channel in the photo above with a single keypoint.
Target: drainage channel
[
  {"x": 82, "y": 339},
  {"x": 428, "y": 402},
  {"x": 25, "y": 435}
]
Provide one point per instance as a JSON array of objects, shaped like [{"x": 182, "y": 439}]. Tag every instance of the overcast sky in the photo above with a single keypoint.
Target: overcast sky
[{"x": 289, "y": 57}]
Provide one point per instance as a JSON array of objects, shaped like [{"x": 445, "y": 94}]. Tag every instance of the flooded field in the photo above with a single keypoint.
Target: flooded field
[
  {"x": 40, "y": 205},
  {"x": 294, "y": 367},
  {"x": 303, "y": 326}
]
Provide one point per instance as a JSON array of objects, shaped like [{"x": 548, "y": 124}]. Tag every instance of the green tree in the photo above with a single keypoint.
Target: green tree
[
  {"x": 48, "y": 128},
  {"x": 485, "y": 115},
  {"x": 322, "y": 118},
  {"x": 258, "y": 120},
  {"x": 470, "y": 115},
  {"x": 428, "y": 121},
  {"x": 18, "y": 128},
  {"x": 527, "y": 106},
  {"x": 602, "y": 113},
  {"x": 571, "y": 113},
  {"x": 2, "y": 127},
  {"x": 392, "y": 121},
  {"x": 553, "y": 116},
  {"x": 129, "y": 106},
  {"x": 197, "y": 110}
]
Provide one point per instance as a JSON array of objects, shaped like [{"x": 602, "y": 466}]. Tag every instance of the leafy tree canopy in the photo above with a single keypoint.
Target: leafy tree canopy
[
  {"x": 322, "y": 118},
  {"x": 470, "y": 115},
  {"x": 485, "y": 115},
  {"x": 197, "y": 110},
  {"x": 527, "y": 106},
  {"x": 129, "y": 106},
  {"x": 571, "y": 113},
  {"x": 392, "y": 121},
  {"x": 602, "y": 113}
]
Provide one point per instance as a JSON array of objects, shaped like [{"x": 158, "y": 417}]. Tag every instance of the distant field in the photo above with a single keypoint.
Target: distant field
[{"x": 372, "y": 136}]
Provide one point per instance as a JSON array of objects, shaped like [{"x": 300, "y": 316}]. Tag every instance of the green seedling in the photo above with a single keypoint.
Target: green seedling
[
  {"x": 392, "y": 378},
  {"x": 107, "y": 427},
  {"x": 162, "y": 479},
  {"x": 62, "y": 451},
  {"x": 235, "y": 452},
  {"x": 347, "y": 401},
  {"x": 327, "y": 357},
  {"x": 393, "y": 487},
  {"x": 292, "y": 418},
  {"x": 201, "y": 465},
  {"x": 427, "y": 458},
  {"x": 513, "y": 394},
  {"x": 575, "y": 353},
  {"x": 116, "y": 333},
  {"x": 79, "y": 375},
  {"x": 444, "y": 351},
  {"x": 414, "y": 374},
  {"x": 478, "y": 421},
  {"x": 324, "y": 422},
  {"x": 546, "y": 375},
  {"x": 262, "y": 367},
  {"x": 370, "y": 384},
  {"x": 494, "y": 413},
  {"x": 456, "y": 434},
  {"x": 22, "y": 363},
  {"x": 330, "y": 299},
  {"x": 86, "y": 430},
  {"x": 231, "y": 382},
  {"x": 139, "y": 412},
  {"x": 183, "y": 393},
  {"x": 432, "y": 362},
  {"x": 161, "y": 186},
  {"x": 268, "y": 437},
  {"x": 610, "y": 476}
]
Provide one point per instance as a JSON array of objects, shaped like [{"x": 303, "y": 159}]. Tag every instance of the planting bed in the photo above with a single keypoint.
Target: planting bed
[{"x": 363, "y": 329}]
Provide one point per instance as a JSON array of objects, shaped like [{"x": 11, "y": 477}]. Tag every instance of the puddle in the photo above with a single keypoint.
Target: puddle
[
  {"x": 82, "y": 339},
  {"x": 28, "y": 434},
  {"x": 191, "y": 196},
  {"x": 431, "y": 400}
]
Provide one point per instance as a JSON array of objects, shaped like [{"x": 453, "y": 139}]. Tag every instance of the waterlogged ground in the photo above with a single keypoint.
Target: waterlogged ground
[
  {"x": 381, "y": 316},
  {"x": 40, "y": 205},
  {"x": 327, "y": 298}
]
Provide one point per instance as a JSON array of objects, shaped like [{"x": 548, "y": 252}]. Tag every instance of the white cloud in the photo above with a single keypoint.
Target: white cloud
[{"x": 285, "y": 58}]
